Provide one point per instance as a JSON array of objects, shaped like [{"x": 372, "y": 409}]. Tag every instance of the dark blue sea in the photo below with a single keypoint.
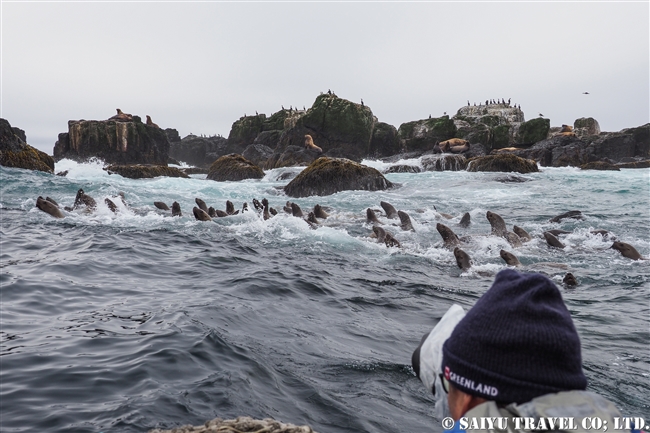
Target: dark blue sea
[{"x": 136, "y": 320}]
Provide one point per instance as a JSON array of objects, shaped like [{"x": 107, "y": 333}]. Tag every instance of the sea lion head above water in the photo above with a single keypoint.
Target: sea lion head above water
[
  {"x": 49, "y": 207},
  {"x": 371, "y": 217},
  {"x": 176, "y": 209},
  {"x": 391, "y": 212},
  {"x": 509, "y": 258},
  {"x": 405, "y": 219},
  {"x": 497, "y": 223},
  {"x": 627, "y": 250},
  {"x": 463, "y": 259},
  {"x": 448, "y": 236}
]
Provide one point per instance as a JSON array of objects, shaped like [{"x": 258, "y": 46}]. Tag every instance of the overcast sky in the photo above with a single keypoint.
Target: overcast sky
[{"x": 198, "y": 67}]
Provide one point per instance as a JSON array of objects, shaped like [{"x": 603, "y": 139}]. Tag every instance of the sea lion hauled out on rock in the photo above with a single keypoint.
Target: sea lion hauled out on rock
[
  {"x": 176, "y": 209},
  {"x": 405, "y": 219},
  {"x": 309, "y": 144},
  {"x": 391, "y": 212},
  {"x": 49, "y": 207},
  {"x": 627, "y": 250},
  {"x": 161, "y": 205},
  {"x": 446, "y": 145},
  {"x": 150, "y": 122},
  {"x": 122, "y": 117}
]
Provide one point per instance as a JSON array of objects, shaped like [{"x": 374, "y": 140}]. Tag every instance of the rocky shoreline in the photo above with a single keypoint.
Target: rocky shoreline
[{"x": 339, "y": 128}]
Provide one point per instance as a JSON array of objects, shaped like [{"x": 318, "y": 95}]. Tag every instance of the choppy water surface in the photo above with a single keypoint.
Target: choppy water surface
[{"x": 129, "y": 321}]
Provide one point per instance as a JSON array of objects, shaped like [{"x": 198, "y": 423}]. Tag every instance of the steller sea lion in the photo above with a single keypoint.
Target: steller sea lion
[
  {"x": 627, "y": 250},
  {"x": 220, "y": 213},
  {"x": 405, "y": 219},
  {"x": 230, "y": 208},
  {"x": 567, "y": 131},
  {"x": 287, "y": 208},
  {"x": 463, "y": 259},
  {"x": 371, "y": 217},
  {"x": 391, "y": 212},
  {"x": 84, "y": 199},
  {"x": 161, "y": 205},
  {"x": 312, "y": 218},
  {"x": 459, "y": 149},
  {"x": 557, "y": 232},
  {"x": 497, "y": 223},
  {"x": 176, "y": 209},
  {"x": 122, "y": 117},
  {"x": 110, "y": 204},
  {"x": 309, "y": 144},
  {"x": 51, "y": 200},
  {"x": 446, "y": 145},
  {"x": 265, "y": 211},
  {"x": 509, "y": 258},
  {"x": 49, "y": 207},
  {"x": 448, "y": 236},
  {"x": 385, "y": 237},
  {"x": 296, "y": 211},
  {"x": 465, "y": 220},
  {"x": 552, "y": 240},
  {"x": 212, "y": 212},
  {"x": 200, "y": 214},
  {"x": 244, "y": 207},
  {"x": 523, "y": 234},
  {"x": 576, "y": 214},
  {"x": 319, "y": 212},
  {"x": 150, "y": 122},
  {"x": 272, "y": 211},
  {"x": 258, "y": 206},
  {"x": 201, "y": 204},
  {"x": 570, "y": 280}
]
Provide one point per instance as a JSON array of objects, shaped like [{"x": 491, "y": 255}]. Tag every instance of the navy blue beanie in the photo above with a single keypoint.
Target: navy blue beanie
[{"x": 518, "y": 342}]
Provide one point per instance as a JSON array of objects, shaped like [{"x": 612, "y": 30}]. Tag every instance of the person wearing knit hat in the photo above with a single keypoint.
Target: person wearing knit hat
[{"x": 515, "y": 353}]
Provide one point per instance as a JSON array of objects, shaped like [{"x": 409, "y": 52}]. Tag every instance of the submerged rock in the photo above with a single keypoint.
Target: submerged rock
[
  {"x": 145, "y": 171},
  {"x": 444, "y": 163},
  {"x": 599, "y": 165},
  {"x": 403, "y": 168},
  {"x": 502, "y": 162},
  {"x": 234, "y": 167},
  {"x": 327, "y": 176},
  {"x": 14, "y": 152}
]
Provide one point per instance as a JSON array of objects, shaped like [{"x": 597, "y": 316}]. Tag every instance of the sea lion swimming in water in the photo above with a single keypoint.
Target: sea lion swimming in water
[
  {"x": 176, "y": 209},
  {"x": 287, "y": 208},
  {"x": 463, "y": 259},
  {"x": 405, "y": 219},
  {"x": 558, "y": 232},
  {"x": 258, "y": 206},
  {"x": 509, "y": 258},
  {"x": 230, "y": 208},
  {"x": 499, "y": 229},
  {"x": 84, "y": 199},
  {"x": 296, "y": 211},
  {"x": 220, "y": 213},
  {"x": 311, "y": 217},
  {"x": 371, "y": 217},
  {"x": 161, "y": 205},
  {"x": 265, "y": 211},
  {"x": 627, "y": 250},
  {"x": 212, "y": 212},
  {"x": 391, "y": 212},
  {"x": 51, "y": 200},
  {"x": 49, "y": 207},
  {"x": 200, "y": 214},
  {"x": 570, "y": 280},
  {"x": 319, "y": 212},
  {"x": 523, "y": 234},
  {"x": 110, "y": 204},
  {"x": 465, "y": 221},
  {"x": 201, "y": 204},
  {"x": 552, "y": 240},
  {"x": 385, "y": 237},
  {"x": 448, "y": 236},
  {"x": 575, "y": 214},
  {"x": 442, "y": 214}
]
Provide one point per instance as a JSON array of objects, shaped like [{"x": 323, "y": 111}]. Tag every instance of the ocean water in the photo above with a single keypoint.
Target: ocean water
[{"x": 136, "y": 320}]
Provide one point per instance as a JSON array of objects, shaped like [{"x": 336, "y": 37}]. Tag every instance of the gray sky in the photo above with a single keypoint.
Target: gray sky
[{"x": 198, "y": 67}]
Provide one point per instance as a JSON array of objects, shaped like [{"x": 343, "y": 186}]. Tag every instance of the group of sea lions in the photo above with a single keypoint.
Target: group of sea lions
[
  {"x": 82, "y": 200},
  {"x": 125, "y": 117}
]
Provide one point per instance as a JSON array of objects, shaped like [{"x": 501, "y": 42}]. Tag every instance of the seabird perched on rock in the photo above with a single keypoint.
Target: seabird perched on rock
[
  {"x": 362, "y": 102},
  {"x": 585, "y": 93},
  {"x": 541, "y": 115}
]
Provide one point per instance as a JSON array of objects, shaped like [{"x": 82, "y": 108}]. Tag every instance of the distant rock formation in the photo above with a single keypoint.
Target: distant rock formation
[
  {"x": 234, "y": 167},
  {"x": 15, "y": 152},
  {"x": 199, "y": 151},
  {"x": 502, "y": 162},
  {"x": 423, "y": 135},
  {"x": 494, "y": 126},
  {"x": 116, "y": 142},
  {"x": 145, "y": 171},
  {"x": 327, "y": 176}
]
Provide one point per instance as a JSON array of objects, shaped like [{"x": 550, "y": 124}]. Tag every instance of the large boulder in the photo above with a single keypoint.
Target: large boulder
[
  {"x": 616, "y": 146},
  {"x": 339, "y": 127},
  {"x": 494, "y": 126},
  {"x": 422, "y": 135},
  {"x": 234, "y": 167},
  {"x": 199, "y": 151},
  {"x": 327, "y": 176},
  {"x": 258, "y": 154},
  {"x": 557, "y": 151},
  {"x": 532, "y": 131},
  {"x": 502, "y": 162},
  {"x": 138, "y": 171},
  {"x": 586, "y": 126},
  {"x": 14, "y": 152},
  {"x": 444, "y": 162},
  {"x": 116, "y": 142},
  {"x": 384, "y": 141}
]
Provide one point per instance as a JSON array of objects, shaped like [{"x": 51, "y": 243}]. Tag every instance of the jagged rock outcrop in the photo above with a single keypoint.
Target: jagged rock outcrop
[
  {"x": 599, "y": 165},
  {"x": 199, "y": 151},
  {"x": 444, "y": 162},
  {"x": 234, "y": 167},
  {"x": 20, "y": 133},
  {"x": 258, "y": 154},
  {"x": 502, "y": 162},
  {"x": 384, "y": 141},
  {"x": 137, "y": 171},
  {"x": 339, "y": 127},
  {"x": 327, "y": 176},
  {"x": 116, "y": 142},
  {"x": 494, "y": 125},
  {"x": 15, "y": 152},
  {"x": 172, "y": 135},
  {"x": 422, "y": 135},
  {"x": 532, "y": 131}
]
